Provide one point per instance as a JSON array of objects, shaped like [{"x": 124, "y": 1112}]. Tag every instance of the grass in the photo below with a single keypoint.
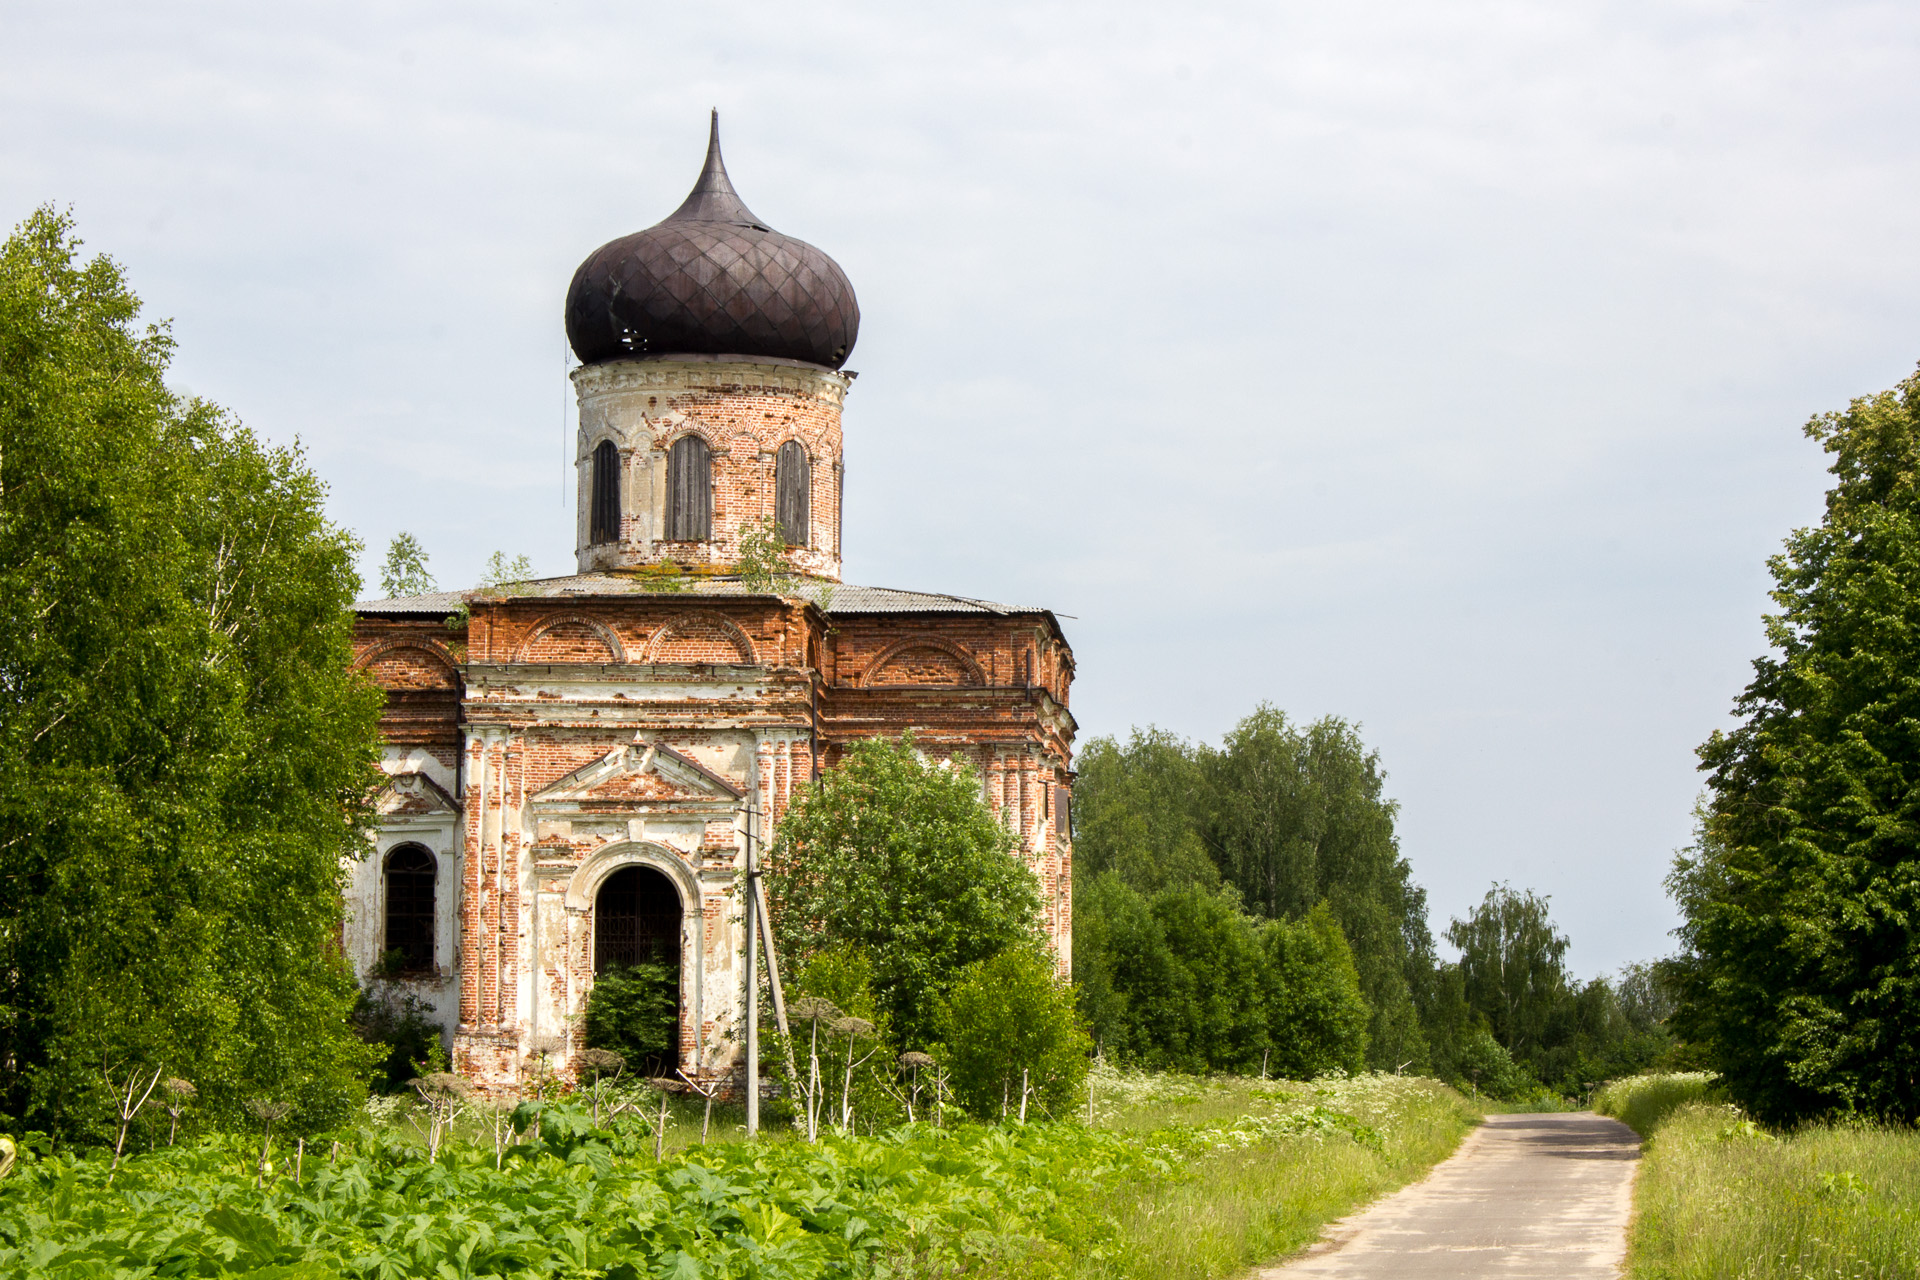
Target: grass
[
  {"x": 1643, "y": 1102},
  {"x": 1275, "y": 1162},
  {"x": 1720, "y": 1198}
]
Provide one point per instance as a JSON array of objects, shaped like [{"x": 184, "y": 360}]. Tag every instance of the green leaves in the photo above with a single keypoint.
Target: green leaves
[
  {"x": 1289, "y": 816},
  {"x": 185, "y": 752},
  {"x": 901, "y": 857},
  {"x": 1801, "y": 895},
  {"x": 943, "y": 1199}
]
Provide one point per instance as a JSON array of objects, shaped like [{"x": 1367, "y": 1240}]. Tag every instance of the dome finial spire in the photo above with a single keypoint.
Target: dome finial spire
[{"x": 713, "y": 198}]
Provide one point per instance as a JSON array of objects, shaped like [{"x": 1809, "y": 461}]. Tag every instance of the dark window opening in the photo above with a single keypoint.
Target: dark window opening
[
  {"x": 636, "y": 920},
  {"x": 689, "y": 491},
  {"x": 410, "y": 881},
  {"x": 603, "y": 523},
  {"x": 792, "y": 489}
]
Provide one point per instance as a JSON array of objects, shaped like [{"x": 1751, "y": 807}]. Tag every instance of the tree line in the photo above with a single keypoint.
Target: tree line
[{"x": 1247, "y": 907}]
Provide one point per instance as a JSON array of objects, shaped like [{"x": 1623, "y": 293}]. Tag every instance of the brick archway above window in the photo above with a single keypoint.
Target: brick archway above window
[
  {"x": 922, "y": 660},
  {"x": 700, "y": 637},
  {"x": 571, "y": 638},
  {"x": 409, "y": 662}
]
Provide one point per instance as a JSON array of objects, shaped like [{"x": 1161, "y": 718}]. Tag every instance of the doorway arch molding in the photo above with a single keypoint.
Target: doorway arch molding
[{"x": 584, "y": 886}]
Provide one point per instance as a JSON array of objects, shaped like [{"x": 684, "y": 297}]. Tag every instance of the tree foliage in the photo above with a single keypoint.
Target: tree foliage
[
  {"x": 1290, "y": 817},
  {"x": 1801, "y": 896},
  {"x": 1185, "y": 980},
  {"x": 901, "y": 857},
  {"x": 1512, "y": 965},
  {"x": 185, "y": 756},
  {"x": 1010, "y": 1025},
  {"x": 635, "y": 1012},
  {"x": 404, "y": 572}
]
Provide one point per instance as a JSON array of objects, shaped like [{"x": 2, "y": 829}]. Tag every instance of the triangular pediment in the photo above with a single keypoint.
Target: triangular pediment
[
  {"x": 413, "y": 795},
  {"x": 639, "y": 773}
]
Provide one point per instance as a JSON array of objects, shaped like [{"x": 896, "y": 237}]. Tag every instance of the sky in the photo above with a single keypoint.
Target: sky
[{"x": 1439, "y": 367}]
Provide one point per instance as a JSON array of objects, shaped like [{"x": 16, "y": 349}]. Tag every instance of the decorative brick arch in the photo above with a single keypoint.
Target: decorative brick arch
[
  {"x": 969, "y": 669},
  {"x": 689, "y": 626},
  {"x": 616, "y": 652},
  {"x": 583, "y": 887},
  {"x": 426, "y": 652}
]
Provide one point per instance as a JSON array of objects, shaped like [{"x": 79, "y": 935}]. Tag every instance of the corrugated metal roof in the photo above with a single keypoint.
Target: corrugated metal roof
[{"x": 845, "y": 598}]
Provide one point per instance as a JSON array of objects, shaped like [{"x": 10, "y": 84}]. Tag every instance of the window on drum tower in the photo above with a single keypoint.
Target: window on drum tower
[
  {"x": 604, "y": 518},
  {"x": 792, "y": 490},
  {"x": 689, "y": 491},
  {"x": 410, "y": 887}
]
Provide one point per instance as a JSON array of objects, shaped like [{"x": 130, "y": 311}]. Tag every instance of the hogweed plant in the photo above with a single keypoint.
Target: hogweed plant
[
  {"x": 855, "y": 1030},
  {"x": 126, "y": 1103},
  {"x": 813, "y": 1010},
  {"x": 268, "y": 1112},
  {"x": 180, "y": 1094},
  {"x": 600, "y": 1069},
  {"x": 444, "y": 1096}
]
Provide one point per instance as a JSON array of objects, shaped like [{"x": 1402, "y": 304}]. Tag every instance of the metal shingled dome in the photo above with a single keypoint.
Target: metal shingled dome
[{"x": 712, "y": 279}]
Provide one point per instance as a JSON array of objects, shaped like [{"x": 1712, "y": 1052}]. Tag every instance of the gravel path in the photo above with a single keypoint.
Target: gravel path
[{"x": 1525, "y": 1196}]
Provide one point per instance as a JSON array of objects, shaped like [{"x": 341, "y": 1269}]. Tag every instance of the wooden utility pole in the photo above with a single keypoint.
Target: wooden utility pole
[
  {"x": 759, "y": 939},
  {"x": 753, "y": 973}
]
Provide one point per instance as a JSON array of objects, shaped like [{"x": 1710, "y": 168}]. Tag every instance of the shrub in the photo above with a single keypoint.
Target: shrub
[
  {"x": 1009, "y": 1023},
  {"x": 635, "y": 1011},
  {"x": 401, "y": 1024}
]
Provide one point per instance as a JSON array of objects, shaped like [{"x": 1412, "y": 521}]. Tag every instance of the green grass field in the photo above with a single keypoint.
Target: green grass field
[{"x": 1719, "y": 1198}]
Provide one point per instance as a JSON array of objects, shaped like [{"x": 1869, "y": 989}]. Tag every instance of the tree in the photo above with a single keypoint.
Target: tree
[
  {"x": 1012, "y": 1037},
  {"x": 186, "y": 758},
  {"x": 405, "y": 571},
  {"x": 1134, "y": 813},
  {"x": 1801, "y": 895},
  {"x": 502, "y": 572},
  {"x": 1316, "y": 1016},
  {"x": 901, "y": 857},
  {"x": 1299, "y": 816},
  {"x": 1186, "y": 980},
  {"x": 1511, "y": 963}
]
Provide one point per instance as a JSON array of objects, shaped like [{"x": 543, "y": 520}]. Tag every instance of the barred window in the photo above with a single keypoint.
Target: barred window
[{"x": 410, "y": 886}]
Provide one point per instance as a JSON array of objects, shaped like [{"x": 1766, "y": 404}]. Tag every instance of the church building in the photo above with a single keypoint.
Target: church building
[{"x": 576, "y": 765}]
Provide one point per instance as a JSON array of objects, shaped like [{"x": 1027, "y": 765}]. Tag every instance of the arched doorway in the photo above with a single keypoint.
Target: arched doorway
[{"x": 636, "y": 966}]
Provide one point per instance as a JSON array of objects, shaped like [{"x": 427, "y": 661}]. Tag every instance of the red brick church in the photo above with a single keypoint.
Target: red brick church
[{"x": 572, "y": 761}]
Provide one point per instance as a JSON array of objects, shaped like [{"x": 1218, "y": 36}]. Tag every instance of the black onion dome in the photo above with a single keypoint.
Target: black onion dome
[{"x": 712, "y": 280}]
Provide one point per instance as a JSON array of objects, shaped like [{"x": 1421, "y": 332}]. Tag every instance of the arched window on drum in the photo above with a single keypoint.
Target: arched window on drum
[
  {"x": 689, "y": 491},
  {"x": 408, "y": 945},
  {"x": 793, "y": 490},
  {"x": 603, "y": 523}
]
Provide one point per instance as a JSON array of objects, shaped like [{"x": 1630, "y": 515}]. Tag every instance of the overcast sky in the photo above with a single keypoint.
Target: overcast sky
[{"x": 1438, "y": 366}]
